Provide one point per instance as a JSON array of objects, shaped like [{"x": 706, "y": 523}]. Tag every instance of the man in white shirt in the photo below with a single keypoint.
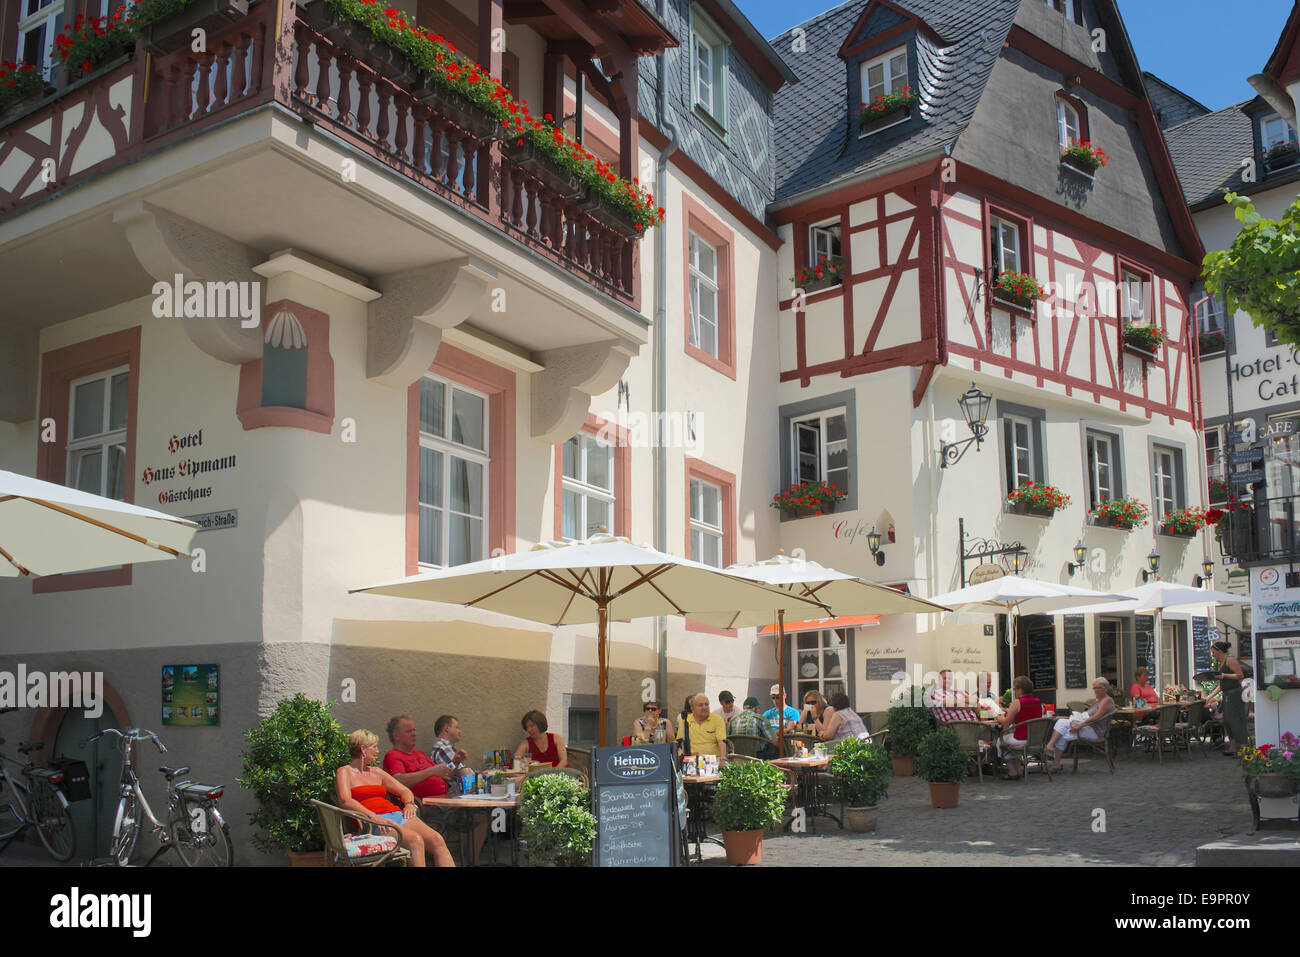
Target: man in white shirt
[{"x": 728, "y": 706}]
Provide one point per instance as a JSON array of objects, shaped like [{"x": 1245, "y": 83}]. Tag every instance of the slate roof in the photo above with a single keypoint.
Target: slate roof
[
  {"x": 1207, "y": 153},
  {"x": 810, "y": 115}
]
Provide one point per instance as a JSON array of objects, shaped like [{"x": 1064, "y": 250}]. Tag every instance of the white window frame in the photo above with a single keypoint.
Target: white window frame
[
  {"x": 706, "y": 35},
  {"x": 1064, "y": 112},
  {"x": 449, "y": 449},
  {"x": 53, "y": 13},
  {"x": 890, "y": 83},
  {"x": 1160, "y": 456},
  {"x": 821, "y": 420},
  {"x": 104, "y": 438},
  {"x": 699, "y": 527},
  {"x": 1066, "y": 7},
  {"x": 1092, "y": 441},
  {"x": 830, "y": 232},
  {"x": 582, "y": 487},
  {"x": 823, "y": 647},
  {"x": 1216, "y": 458},
  {"x": 1001, "y": 227},
  {"x": 1208, "y": 316},
  {"x": 1012, "y": 422},
  {"x": 1128, "y": 279},
  {"x": 702, "y": 283},
  {"x": 1286, "y": 134}
]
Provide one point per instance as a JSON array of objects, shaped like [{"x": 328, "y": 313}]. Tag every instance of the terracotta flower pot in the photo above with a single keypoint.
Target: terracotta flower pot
[
  {"x": 904, "y": 766},
  {"x": 308, "y": 859},
  {"x": 944, "y": 793},
  {"x": 861, "y": 819},
  {"x": 743, "y": 847}
]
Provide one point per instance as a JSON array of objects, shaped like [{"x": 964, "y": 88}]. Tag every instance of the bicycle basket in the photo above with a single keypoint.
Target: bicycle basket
[{"x": 76, "y": 778}]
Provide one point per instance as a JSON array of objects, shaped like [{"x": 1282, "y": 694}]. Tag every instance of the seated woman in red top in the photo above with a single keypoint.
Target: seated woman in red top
[
  {"x": 1142, "y": 688},
  {"x": 1024, "y": 708},
  {"x": 540, "y": 746},
  {"x": 364, "y": 789}
]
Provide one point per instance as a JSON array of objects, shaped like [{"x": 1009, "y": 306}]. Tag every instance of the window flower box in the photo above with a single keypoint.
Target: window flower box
[
  {"x": 1143, "y": 339},
  {"x": 808, "y": 498},
  {"x": 1122, "y": 513},
  {"x": 886, "y": 110},
  {"x": 456, "y": 109},
  {"x": 90, "y": 44},
  {"x": 169, "y": 25},
  {"x": 527, "y": 157},
  {"x": 1183, "y": 522},
  {"x": 599, "y": 207},
  {"x": 826, "y": 272},
  {"x": 22, "y": 84},
  {"x": 1036, "y": 499},
  {"x": 1018, "y": 290},
  {"x": 1084, "y": 157},
  {"x": 1209, "y": 342},
  {"x": 1281, "y": 155}
]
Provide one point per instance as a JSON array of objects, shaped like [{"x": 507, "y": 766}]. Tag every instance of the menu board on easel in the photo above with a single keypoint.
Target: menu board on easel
[
  {"x": 1041, "y": 646},
  {"x": 1144, "y": 643},
  {"x": 1076, "y": 654}
]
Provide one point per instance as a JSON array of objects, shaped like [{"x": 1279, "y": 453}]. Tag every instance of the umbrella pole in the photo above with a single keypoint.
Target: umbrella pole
[
  {"x": 602, "y": 613},
  {"x": 780, "y": 683}
]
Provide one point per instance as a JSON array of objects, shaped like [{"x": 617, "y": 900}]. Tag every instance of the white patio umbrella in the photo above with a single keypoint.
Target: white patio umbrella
[
  {"x": 842, "y": 594},
  {"x": 1027, "y": 596},
  {"x": 48, "y": 529},
  {"x": 572, "y": 583}
]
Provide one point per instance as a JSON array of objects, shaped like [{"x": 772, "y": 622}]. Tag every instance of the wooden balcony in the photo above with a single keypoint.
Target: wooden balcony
[{"x": 141, "y": 105}]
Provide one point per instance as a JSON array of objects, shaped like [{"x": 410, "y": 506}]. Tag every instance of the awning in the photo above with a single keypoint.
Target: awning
[{"x": 816, "y": 624}]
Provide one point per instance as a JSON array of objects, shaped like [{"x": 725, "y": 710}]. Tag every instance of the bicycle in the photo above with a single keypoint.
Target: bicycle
[
  {"x": 35, "y": 802},
  {"x": 195, "y": 828}
]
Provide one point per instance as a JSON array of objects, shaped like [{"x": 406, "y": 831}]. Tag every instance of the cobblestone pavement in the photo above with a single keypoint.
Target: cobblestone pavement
[{"x": 1154, "y": 814}]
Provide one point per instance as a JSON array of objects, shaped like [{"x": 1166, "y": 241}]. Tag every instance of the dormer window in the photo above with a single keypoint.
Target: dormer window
[
  {"x": 708, "y": 68},
  {"x": 885, "y": 74},
  {"x": 1279, "y": 143}
]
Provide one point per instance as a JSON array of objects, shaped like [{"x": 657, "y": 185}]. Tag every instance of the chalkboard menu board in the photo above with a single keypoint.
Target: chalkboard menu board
[
  {"x": 1201, "y": 659},
  {"x": 884, "y": 669},
  {"x": 1041, "y": 645},
  {"x": 636, "y": 806},
  {"x": 1144, "y": 643},
  {"x": 1076, "y": 655}
]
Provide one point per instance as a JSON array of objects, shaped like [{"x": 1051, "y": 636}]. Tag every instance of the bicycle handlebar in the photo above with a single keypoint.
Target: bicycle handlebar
[{"x": 131, "y": 734}]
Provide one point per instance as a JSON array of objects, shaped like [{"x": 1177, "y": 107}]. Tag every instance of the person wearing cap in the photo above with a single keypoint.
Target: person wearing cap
[
  {"x": 748, "y": 721},
  {"x": 727, "y": 706},
  {"x": 788, "y": 714}
]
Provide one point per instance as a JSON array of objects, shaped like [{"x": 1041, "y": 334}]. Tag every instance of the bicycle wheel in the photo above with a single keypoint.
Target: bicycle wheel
[
  {"x": 11, "y": 810},
  {"x": 53, "y": 823},
  {"x": 126, "y": 829},
  {"x": 201, "y": 837}
]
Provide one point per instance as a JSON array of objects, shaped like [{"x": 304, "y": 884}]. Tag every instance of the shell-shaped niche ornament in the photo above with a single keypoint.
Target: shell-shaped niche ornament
[{"x": 284, "y": 331}]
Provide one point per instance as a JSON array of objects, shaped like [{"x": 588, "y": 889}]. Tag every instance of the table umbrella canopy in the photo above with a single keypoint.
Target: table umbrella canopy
[
  {"x": 1157, "y": 596},
  {"x": 48, "y": 529},
  {"x": 574, "y": 583},
  {"x": 1028, "y": 596}
]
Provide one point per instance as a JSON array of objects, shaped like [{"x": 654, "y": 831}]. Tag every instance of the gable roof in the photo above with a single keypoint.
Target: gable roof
[
  {"x": 1284, "y": 62},
  {"x": 1207, "y": 152},
  {"x": 1172, "y": 105},
  {"x": 955, "y": 54}
]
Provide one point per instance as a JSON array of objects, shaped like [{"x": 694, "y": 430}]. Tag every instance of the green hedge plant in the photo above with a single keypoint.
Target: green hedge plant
[
  {"x": 749, "y": 797},
  {"x": 908, "y": 726},
  {"x": 860, "y": 772},
  {"x": 292, "y": 758},
  {"x": 555, "y": 811},
  {"x": 941, "y": 758}
]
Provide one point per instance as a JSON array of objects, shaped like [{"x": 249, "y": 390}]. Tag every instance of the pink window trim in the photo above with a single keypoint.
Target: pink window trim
[
  {"x": 695, "y": 468},
  {"x": 59, "y": 369},
  {"x": 696, "y": 219},
  {"x": 498, "y": 384},
  {"x": 622, "y": 476},
  {"x": 318, "y": 416}
]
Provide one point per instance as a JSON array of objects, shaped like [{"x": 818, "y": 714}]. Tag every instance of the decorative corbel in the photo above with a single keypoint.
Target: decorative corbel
[
  {"x": 169, "y": 246},
  {"x": 404, "y": 325},
  {"x": 562, "y": 391}
]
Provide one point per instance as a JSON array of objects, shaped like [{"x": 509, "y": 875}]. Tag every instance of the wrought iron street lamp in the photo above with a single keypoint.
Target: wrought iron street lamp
[
  {"x": 1080, "y": 556},
  {"x": 975, "y": 407},
  {"x": 1019, "y": 560},
  {"x": 873, "y": 543},
  {"x": 1207, "y": 567},
  {"x": 1153, "y": 563}
]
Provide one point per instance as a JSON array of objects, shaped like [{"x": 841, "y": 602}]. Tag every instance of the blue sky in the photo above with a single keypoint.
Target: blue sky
[{"x": 1206, "y": 48}]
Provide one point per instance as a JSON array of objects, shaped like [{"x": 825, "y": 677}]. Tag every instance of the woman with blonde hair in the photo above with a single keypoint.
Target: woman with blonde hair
[
  {"x": 364, "y": 789},
  {"x": 1091, "y": 728}
]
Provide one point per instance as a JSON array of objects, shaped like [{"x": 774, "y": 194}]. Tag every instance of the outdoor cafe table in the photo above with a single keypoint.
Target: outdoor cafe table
[
  {"x": 809, "y": 793},
  {"x": 484, "y": 803},
  {"x": 696, "y": 827}
]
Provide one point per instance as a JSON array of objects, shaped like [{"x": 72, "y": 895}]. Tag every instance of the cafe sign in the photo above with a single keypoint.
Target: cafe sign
[
  {"x": 632, "y": 764},
  {"x": 986, "y": 572}
]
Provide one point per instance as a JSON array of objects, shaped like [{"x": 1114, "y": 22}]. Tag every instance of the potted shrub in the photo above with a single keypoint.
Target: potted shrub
[
  {"x": 808, "y": 498},
  {"x": 497, "y": 781},
  {"x": 1083, "y": 156},
  {"x": 557, "y": 823},
  {"x": 827, "y": 271},
  {"x": 942, "y": 762},
  {"x": 169, "y": 25},
  {"x": 292, "y": 758},
  {"x": 1017, "y": 289},
  {"x": 1125, "y": 513},
  {"x": 908, "y": 726},
  {"x": 1183, "y": 522},
  {"x": 1035, "y": 498},
  {"x": 860, "y": 773},
  {"x": 885, "y": 110},
  {"x": 1273, "y": 770},
  {"x": 1143, "y": 338},
  {"x": 748, "y": 800},
  {"x": 1280, "y": 154}
]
